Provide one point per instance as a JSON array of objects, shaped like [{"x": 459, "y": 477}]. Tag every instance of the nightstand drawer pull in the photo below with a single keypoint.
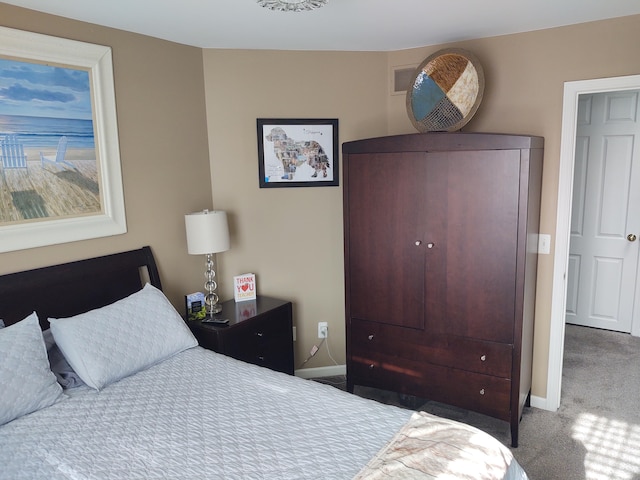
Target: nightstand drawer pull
[
  {"x": 259, "y": 334},
  {"x": 483, "y": 358},
  {"x": 370, "y": 337},
  {"x": 372, "y": 366},
  {"x": 482, "y": 391},
  {"x": 261, "y": 358}
]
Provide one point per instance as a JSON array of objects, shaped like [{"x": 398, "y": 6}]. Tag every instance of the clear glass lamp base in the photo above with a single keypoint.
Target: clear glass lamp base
[{"x": 213, "y": 309}]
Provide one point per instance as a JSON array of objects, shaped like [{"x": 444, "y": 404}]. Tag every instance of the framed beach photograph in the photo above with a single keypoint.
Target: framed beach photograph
[
  {"x": 297, "y": 152},
  {"x": 60, "y": 173}
]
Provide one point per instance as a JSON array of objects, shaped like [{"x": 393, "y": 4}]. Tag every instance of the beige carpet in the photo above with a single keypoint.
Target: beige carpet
[{"x": 595, "y": 435}]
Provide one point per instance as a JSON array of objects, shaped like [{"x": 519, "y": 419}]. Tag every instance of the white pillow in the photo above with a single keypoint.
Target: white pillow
[
  {"x": 27, "y": 382},
  {"x": 118, "y": 340}
]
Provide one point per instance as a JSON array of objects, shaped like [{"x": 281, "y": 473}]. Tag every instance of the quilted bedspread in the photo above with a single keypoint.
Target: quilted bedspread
[{"x": 200, "y": 415}]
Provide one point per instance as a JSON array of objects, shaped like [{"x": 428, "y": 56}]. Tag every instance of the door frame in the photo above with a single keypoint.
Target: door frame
[{"x": 572, "y": 90}]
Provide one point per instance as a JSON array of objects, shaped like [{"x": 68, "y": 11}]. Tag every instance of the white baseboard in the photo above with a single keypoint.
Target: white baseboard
[
  {"x": 329, "y": 371},
  {"x": 541, "y": 403}
]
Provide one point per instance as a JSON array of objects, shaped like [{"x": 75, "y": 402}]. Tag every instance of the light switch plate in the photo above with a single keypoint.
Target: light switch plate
[{"x": 544, "y": 243}]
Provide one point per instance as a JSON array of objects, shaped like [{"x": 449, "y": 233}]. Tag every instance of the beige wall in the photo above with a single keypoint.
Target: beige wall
[
  {"x": 163, "y": 147},
  {"x": 291, "y": 238}
]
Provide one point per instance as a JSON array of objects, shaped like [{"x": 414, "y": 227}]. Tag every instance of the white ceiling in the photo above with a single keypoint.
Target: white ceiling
[{"x": 358, "y": 25}]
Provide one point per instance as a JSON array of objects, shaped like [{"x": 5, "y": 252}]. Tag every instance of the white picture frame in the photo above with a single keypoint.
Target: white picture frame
[{"x": 109, "y": 217}]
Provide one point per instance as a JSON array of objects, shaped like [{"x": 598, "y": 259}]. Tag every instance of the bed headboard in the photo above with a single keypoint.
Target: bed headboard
[{"x": 68, "y": 289}]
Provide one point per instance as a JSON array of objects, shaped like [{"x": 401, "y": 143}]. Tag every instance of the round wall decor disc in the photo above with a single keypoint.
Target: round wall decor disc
[{"x": 445, "y": 91}]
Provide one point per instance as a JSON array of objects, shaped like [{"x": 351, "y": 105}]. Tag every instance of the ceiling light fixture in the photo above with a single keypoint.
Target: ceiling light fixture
[{"x": 292, "y": 5}]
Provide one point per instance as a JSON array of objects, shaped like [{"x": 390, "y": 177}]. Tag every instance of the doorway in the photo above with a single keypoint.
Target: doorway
[
  {"x": 572, "y": 92},
  {"x": 605, "y": 212}
]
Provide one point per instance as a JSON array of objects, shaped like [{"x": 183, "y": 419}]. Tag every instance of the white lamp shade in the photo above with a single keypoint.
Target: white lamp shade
[{"x": 207, "y": 232}]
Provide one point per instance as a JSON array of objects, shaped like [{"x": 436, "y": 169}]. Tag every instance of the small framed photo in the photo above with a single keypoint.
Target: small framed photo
[{"x": 297, "y": 152}]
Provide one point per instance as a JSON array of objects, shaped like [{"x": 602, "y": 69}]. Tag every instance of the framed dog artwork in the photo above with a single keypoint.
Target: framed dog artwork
[{"x": 297, "y": 152}]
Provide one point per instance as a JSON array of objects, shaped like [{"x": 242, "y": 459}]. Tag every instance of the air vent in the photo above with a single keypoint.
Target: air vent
[{"x": 401, "y": 77}]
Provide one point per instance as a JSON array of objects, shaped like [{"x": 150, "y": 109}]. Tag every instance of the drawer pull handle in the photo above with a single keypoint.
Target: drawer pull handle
[
  {"x": 371, "y": 367},
  {"x": 431, "y": 245},
  {"x": 482, "y": 391},
  {"x": 483, "y": 358},
  {"x": 370, "y": 337},
  {"x": 259, "y": 334},
  {"x": 261, "y": 358},
  {"x": 418, "y": 243}
]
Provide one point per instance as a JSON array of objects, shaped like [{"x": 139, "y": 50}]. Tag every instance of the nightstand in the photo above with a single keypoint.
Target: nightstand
[{"x": 259, "y": 331}]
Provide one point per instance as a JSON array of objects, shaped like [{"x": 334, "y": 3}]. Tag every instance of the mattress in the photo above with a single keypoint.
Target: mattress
[{"x": 203, "y": 415}]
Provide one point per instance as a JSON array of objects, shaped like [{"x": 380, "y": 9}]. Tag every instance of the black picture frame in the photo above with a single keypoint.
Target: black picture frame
[{"x": 298, "y": 152}]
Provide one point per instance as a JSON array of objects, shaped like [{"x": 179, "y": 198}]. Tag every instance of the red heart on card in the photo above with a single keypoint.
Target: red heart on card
[{"x": 244, "y": 287}]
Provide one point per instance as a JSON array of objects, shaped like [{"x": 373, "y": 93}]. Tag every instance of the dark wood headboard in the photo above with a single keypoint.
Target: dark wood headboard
[{"x": 68, "y": 289}]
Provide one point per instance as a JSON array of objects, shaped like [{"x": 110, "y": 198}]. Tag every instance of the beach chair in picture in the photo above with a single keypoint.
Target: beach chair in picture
[
  {"x": 13, "y": 155},
  {"x": 58, "y": 160}
]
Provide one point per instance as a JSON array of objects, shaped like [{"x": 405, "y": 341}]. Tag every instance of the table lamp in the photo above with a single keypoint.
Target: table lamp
[{"x": 208, "y": 233}]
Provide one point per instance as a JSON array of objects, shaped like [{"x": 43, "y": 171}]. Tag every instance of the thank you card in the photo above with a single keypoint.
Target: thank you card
[{"x": 244, "y": 287}]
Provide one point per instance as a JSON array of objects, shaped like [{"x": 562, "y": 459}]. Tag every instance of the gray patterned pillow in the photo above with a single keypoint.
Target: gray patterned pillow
[
  {"x": 113, "y": 342},
  {"x": 27, "y": 381}
]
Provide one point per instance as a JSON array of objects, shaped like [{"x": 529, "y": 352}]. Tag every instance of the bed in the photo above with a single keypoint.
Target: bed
[{"x": 102, "y": 379}]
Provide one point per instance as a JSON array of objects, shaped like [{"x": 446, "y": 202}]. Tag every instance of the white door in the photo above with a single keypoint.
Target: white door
[{"x": 605, "y": 219}]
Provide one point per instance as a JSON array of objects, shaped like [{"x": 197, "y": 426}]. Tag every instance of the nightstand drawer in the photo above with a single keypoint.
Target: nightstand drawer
[
  {"x": 259, "y": 332},
  {"x": 265, "y": 341}
]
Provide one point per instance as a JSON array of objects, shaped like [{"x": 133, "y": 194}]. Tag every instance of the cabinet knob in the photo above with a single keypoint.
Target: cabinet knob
[
  {"x": 483, "y": 358},
  {"x": 259, "y": 334},
  {"x": 431, "y": 245},
  {"x": 482, "y": 391},
  {"x": 261, "y": 358},
  {"x": 418, "y": 243},
  {"x": 371, "y": 367},
  {"x": 371, "y": 337}
]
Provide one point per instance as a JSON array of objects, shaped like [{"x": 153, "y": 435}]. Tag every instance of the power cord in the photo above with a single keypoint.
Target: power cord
[
  {"x": 329, "y": 351},
  {"x": 313, "y": 352},
  {"x": 338, "y": 381}
]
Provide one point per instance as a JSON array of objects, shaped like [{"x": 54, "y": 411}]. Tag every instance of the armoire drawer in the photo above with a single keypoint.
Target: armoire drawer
[
  {"x": 488, "y": 358},
  {"x": 482, "y": 393}
]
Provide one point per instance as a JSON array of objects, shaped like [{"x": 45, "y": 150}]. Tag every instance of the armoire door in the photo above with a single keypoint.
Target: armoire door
[
  {"x": 386, "y": 258},
  {"x": 477, "y": 242}
]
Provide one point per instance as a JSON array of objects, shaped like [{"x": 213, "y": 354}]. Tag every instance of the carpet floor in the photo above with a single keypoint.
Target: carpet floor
[{"x": 595, "y": 434}]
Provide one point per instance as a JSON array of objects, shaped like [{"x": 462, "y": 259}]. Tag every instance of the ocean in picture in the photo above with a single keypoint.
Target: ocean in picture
[{"x": 45, "y": 132}]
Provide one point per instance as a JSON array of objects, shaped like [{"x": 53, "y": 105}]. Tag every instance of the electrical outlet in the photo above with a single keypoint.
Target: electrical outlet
[{"x": 323, "y": 329}]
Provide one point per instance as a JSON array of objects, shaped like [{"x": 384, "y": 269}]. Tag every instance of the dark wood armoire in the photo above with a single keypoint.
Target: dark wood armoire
[{"x": 440, "y": 267}]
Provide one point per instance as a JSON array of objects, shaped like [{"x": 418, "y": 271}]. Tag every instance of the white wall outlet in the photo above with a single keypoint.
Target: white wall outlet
[
  {"x": 544, "y": 243},
  {"x": 323, "y": 329}
]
